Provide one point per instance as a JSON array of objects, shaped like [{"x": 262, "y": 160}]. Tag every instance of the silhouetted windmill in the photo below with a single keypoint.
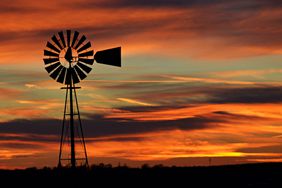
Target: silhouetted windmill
[{"x": 68, "y": 57}]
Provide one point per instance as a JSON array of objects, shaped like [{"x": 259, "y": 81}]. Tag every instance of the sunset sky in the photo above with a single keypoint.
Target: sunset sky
[{"x": 200, "y": 79}]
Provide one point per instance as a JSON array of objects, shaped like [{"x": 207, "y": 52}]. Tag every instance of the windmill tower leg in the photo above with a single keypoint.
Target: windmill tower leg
[
  {"x": 81, "y": 129},
  {"x": 63, "y": 129},
  {"x": 72, "y": 139}
]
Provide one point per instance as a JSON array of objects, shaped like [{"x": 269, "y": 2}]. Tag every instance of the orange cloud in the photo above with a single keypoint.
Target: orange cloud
[
  {"x": 239, "y": 127},
  {"x": 45, "y": 105},
  {"x": 192, "y": 32},
  {"x": 7, "y": 93},
  {"x": 21, "y": 112},
  {"x": 209, "y": 80},
  {"x": 249, "y": 73},
  {"x": 258, "y": 110}
]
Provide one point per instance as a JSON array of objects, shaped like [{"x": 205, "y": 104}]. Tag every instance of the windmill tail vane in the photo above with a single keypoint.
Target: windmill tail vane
[{"x": 68, "y": 59}]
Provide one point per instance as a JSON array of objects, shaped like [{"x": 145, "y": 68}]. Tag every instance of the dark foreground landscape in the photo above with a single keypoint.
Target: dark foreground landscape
[{"x": 248, "y": 175}]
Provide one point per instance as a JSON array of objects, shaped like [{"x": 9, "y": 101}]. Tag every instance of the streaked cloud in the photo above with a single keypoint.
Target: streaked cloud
[
  {"x": 257, "y": 110},
  {"x": 6, "y": 93},
  {"x": 131, "y": 101},
  {"x": 202, "y": 30},
  {"x": 47, "y": 104},
  {"x": 210, "y": 80},
  {"x": 21, "y": 112},
  {"x": 249, "y": 73}
]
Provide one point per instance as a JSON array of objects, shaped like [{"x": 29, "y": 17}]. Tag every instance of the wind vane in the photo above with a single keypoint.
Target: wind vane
[{"x": 68, "y": 58}]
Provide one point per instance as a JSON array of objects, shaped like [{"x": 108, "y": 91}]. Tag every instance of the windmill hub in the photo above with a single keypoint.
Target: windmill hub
[
  {"x": 68, "y": 55},
  {"x": 68, "y": 58}
]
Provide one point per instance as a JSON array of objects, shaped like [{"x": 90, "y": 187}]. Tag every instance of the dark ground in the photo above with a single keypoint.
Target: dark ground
[{"x": 249, "y": 175}]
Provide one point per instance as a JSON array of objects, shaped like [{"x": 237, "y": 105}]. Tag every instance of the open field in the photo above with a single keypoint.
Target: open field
[{"x": 248, "y": 175}]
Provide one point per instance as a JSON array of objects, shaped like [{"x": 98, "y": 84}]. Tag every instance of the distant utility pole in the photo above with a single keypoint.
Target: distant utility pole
[{"x": 210, "y": 161}]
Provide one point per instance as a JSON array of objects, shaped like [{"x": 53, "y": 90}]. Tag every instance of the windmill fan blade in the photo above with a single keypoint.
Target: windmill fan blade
[
  {"x": 86, "y": 46},
  {"x": 80, "y": 73},
  {"x": 52, "y": 67},
  {"x": 85, "y": 54},
  {"x": 74, "y": 38},
  {"x": 109, "y": 57},
  {"x": 82, "y": 39},
  {"x": 62, "y": 38},
  {"x": 55, "y": 40},
  {"x": 84, "y": 67},
  {"x": 51, "y": 46},
  {"x": 87, "y": 61},
  {"x": 61, "y": 77},
  {"x": 56, "y": 72},
  {"x": 49, "y": 53},
  {"x": 68, "y": 37},
  {"x": 74, "y": 77},
  {"x": 50, "y": 60}
]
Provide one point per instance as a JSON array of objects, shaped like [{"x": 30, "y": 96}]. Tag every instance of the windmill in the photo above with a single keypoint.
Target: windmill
[{"x": 68, "y": 58}]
